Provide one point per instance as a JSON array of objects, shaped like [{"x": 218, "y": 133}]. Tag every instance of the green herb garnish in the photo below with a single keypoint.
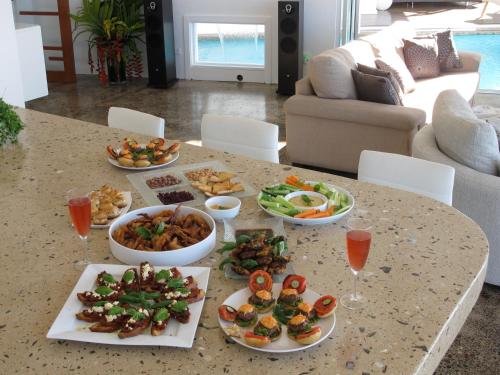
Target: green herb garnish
[
  {"x": 163, "y": 275},
  {"x": 175, "y": 283},
  {"x": 144, "y": 233},
  {"x": 306, "y": 199},
  {"x": 249, "y": 263},
  {"x": 227, "y": 247},
  {"x": 243, "y": 238},
  {"x": 160, "y": 228},
  {"x": 109, "y": 279},
  {"x": 179, "y": 307},
  {"x": 116, "y": 310},
  {"x": 282, "y": 314},
  {"x": 161, "y": 315},
  {"x": 227, "y": 261},
  {"x": 103, "y": 290},
  {"x": 128, "y": 276}
]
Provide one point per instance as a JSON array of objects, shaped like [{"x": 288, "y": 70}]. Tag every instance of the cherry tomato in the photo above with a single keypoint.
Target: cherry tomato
[
  {"x": 260, "y": 280},
  {"x": 296, "y": 282},
  {"x": 227, "y": 313},
  {"x": 325, "y": 305}
]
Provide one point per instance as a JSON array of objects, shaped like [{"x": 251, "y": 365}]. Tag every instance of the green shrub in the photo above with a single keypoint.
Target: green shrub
[{"x": 10, "y": 124}]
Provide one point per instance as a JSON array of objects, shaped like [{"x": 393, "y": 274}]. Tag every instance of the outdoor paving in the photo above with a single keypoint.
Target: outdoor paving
[{"x": 443, "y": 15}]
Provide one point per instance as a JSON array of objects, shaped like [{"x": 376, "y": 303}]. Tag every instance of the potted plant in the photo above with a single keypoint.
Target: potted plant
[
  {"x": 10, "y": 124},
  {"x": 114, "y": 27}
]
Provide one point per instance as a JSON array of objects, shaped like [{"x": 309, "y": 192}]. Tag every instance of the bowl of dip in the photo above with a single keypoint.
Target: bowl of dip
[
  {"x": 223, "y": 207},
  {"x": 307, "y": 200}
]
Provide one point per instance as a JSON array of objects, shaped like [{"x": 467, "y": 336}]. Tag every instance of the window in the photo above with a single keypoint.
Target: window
[{"x": 229, "y": 44}]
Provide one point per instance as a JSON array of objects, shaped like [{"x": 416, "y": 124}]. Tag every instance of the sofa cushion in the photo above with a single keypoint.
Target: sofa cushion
[
  {"x": 377, "y": 89},
  {"x": 360, "y": 51},
  {"x": 382, "y": 73},
  {"x": 448, "y": 54},
  {"x": 421, "y": 57},
  {"x": 462, "y": 136},
  {"x": 427, "y": 90},
  {"x": 396, "y": 66},
  {"x": 330, "y": 74}
]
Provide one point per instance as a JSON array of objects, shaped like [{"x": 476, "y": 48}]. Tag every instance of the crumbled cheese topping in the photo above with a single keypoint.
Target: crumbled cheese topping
[
  {"x": 159, "y": 322},
  {"x": 98, "y": 309},
  {"x": 146, "y": 269},
  {"x": 131, "y": 321},
  {"x": 176, "y": 294},
  {"x": 110, "y": 318}
]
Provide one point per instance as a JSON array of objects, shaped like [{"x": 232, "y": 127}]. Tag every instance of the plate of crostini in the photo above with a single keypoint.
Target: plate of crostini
[
  {"x": 277, "y": 318},
  {"x": 107, "y": 205},
  {"x": 134, "y": 305}
]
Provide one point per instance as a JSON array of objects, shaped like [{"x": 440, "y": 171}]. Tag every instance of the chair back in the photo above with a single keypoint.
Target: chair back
[
  {"x": 136, "y": 122},
  {"x": 402, "y": 172},
  {"x": 247, "y": 137}
]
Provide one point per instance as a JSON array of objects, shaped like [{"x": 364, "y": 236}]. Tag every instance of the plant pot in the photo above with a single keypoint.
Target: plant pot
[{"x": 116, "y": 71}]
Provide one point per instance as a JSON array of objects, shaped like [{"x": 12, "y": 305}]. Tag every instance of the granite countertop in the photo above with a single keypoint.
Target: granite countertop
[{"x": 424, "y": 273}]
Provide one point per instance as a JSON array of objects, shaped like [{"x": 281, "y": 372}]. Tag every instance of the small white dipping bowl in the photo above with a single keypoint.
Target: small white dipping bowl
[
  {"x": 226, "y": 201},
  {"x": 181, "y": 257},
  {"x": 321, "y": 207}
]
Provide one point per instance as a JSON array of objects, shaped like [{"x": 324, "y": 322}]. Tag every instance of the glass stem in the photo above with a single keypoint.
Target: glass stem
[
  {"x": 85, "y": 246},
  {"x": 355, "y": 286}
]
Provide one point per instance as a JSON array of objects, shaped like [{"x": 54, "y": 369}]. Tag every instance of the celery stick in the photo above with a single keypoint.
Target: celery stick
[
  {"x": 284, "y": 202},
  {"x": 343, "y": 209}
]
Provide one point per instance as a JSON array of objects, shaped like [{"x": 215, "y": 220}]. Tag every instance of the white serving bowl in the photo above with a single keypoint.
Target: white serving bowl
[
  {"x": 181, "y": 257},
  {"x": 223, "y": 200},
  {"x": 320, "y": 207}
]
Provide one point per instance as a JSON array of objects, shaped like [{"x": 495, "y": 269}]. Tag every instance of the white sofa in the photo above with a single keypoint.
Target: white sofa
[{"x": 476, "y": 194}]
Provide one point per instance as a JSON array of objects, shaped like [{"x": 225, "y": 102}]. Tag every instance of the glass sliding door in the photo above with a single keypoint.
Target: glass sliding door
[{"x": 349, "y": 20}]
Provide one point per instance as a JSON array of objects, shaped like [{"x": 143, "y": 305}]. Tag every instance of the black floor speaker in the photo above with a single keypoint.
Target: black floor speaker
[
  {"x": 159, "y": 27},
  {"x": 290, "y": 45}
]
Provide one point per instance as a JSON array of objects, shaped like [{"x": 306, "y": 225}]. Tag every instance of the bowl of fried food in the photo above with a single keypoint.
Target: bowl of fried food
[{"x": 171, "y": 235}]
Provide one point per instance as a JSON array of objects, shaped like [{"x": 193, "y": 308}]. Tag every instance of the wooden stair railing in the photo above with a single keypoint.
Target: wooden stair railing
[{"x": 68, "y": 57}]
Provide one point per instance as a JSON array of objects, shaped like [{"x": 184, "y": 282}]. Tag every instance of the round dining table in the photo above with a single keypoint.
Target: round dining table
[{"x": 424, "y": 273}]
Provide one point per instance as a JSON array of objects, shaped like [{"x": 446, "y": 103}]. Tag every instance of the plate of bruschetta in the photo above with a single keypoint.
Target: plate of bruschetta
[
  {"x": 141, "y": 305},
  {"x": 277, "y": 317}
]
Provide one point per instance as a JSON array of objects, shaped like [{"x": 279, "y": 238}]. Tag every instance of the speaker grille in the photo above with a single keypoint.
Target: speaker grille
[
  {"x": 288, "y": 26},
  {"x": 155, "y": 23},
  {"x": 288, "y": 45}
]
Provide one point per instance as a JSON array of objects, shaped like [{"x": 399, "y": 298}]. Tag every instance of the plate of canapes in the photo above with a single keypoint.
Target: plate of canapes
[
  {"x": 107, "y": 204},
  {"x": 277, "y": 318},
  {"x": 136, "y": 156},
  {"x": 143, "y": 305}
]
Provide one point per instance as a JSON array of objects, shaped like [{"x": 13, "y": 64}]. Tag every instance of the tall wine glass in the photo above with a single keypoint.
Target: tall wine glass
[
  {"x": 358, "y": 241},
  {"x": 79, "y": 210}
]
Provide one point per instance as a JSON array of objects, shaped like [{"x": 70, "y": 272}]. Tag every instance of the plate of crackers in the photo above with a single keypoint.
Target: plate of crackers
[
  {"x": 108, "y": 204},
  {"x": 212, "y": 182}
]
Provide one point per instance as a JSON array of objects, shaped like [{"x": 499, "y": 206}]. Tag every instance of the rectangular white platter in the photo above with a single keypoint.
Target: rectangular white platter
[
  {"x": 138, "y": 180},
  {"x": 67, "y": 327}
]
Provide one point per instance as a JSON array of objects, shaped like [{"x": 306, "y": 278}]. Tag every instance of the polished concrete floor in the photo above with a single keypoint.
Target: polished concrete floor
[
  {"x": 437, "y": 15},
  {"x": 476, "y": 349}
]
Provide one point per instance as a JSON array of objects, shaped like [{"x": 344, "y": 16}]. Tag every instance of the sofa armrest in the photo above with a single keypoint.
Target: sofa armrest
[
  {"x": 304, "y": 87},
  {"x": 470, "y": 62},
  {"x": 356, "y": 111}
]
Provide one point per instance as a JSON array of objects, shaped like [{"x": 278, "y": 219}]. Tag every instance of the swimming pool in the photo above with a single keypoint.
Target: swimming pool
[
  {"x": 235, "y": 51},
  {"x": 488, "y": 45}
]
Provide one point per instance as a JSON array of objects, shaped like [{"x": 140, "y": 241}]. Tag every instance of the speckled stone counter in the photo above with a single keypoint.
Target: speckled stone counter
[{"x": 423, "y": 275}]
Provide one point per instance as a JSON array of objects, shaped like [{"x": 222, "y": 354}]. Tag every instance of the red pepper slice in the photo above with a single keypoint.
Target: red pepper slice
[
  {"x": 296, "y": 282},
  {"x": 325, "y": 305},
  {"x": 260, "y": 280},
  {"x": 227, "y": 313}
]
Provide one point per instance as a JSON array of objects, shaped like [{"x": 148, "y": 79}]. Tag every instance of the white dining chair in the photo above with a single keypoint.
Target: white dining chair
[
  {"x": 243, "y": 136},
  {"x": 402, "y": 172},
  {"x": 136, "y": 122}
]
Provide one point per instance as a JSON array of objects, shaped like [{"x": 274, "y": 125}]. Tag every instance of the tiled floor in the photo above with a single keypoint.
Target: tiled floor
[
  {"x": 437, "y": 15},
  {"x": 476, "y": 349}
]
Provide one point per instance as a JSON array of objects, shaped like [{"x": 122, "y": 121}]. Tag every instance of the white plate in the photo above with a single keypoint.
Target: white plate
[
  {"x": 320, "y": 221},
  {"x": 67, "y": 327},
  {"x": 175, "y": 156},
  {"x": 283, "y": 344},
  {"x": 181, "y": 257},
  {"x": 128, "y": 197}
]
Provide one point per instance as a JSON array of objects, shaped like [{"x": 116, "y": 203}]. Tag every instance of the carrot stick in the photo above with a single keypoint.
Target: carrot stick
[
  {"x": 331, "y": 210},
  {"x": 293, "y": 178},
  {"x": 318, "y": 215},
  {"x": 303, "y": 214}
]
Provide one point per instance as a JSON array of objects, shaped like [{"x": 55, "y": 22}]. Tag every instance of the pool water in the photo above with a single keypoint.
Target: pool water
[
  {"x": 236, "y": 51},
  {"x": 488, "y": 45}
]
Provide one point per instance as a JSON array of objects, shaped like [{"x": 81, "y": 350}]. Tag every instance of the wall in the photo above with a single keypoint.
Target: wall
[
  {"x": 319, "y": 24},
  {"x": 11, "y": 85}
]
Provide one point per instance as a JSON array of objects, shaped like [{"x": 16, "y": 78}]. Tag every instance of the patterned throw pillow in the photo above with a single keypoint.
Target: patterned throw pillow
[
  {"x": 447, "y": 53},
  {"x": 372, "y": 88},
  {"x": 421, "y": 57},
  {"x": 398, "y": 69},
  {"x": 382, "y": 73}
]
